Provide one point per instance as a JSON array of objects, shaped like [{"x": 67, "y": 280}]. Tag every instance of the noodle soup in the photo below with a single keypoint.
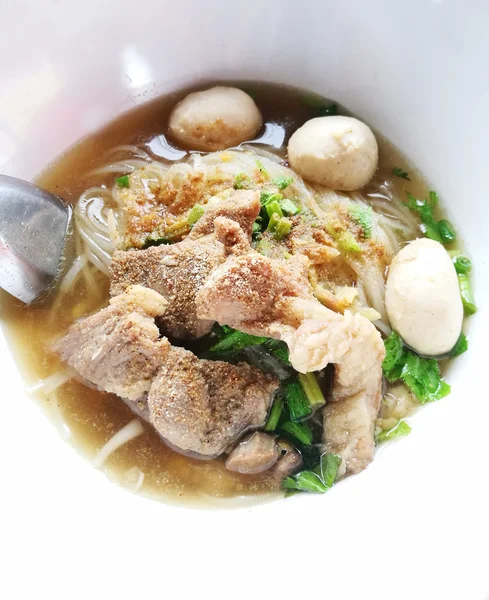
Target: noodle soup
[{"x": 112, "y": 179}]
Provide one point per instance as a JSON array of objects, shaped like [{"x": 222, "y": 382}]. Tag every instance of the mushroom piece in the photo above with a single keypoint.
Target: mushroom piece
[{"x": 254, "y": 454}]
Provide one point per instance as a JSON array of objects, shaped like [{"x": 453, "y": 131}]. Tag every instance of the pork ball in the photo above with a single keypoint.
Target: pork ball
[
  {"x": 215, "y": 119},
  {"x": 422, "y": 298},
  {"x": 338, "y": 152}
]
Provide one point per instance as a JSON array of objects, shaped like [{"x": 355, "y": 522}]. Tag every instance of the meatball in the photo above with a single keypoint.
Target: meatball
[
  {"x": 338, "y": 152},
  {"x": 215, "y": 119},
  {"x": 422, "y": 298}
]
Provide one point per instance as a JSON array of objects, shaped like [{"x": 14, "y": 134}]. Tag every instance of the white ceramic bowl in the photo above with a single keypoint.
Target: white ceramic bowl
[{"x": 414, "y": 524}]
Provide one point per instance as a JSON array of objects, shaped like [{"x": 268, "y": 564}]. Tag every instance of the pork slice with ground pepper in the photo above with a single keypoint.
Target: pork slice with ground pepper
[
  {"x": 119, "y": 349},
  {"x": 179, "y": 270},
  {"x": 201, "y": 407}
]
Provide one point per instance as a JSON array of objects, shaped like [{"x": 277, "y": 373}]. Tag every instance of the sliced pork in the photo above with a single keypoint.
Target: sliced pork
[
  {"x": 179, "y": 270},
  {"x": 263, "y": 296},
  {"x": 202, "y": 407},
  {"x": 199, "y": 407},
  {"x": 119, "y": 348}
]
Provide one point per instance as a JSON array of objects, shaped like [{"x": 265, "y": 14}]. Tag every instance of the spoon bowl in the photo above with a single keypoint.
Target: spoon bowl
[{"x": 33, "y": 228}]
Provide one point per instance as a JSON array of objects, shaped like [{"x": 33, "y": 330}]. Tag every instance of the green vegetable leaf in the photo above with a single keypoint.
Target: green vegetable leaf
[
  {"x": 275, "y": 414},
  {"x": 461, "y": 346},
  {"x": 401, "y": 429},
  {"x": 236, "y": 340},
  {"x": 421, "y": 375},
  {"x": 425, "y": 210},
  {"x": 257, "y": 226},
  {"x": 195, "y": 213},
  {"x": 362, "y": 215},
  {"x": 394, "y": 350},
  {"x": 297, "y": 401},
  {"x": 150, "y": 241},
  {"x": 398, "y": 172},
  {"x": 123, "y": 181},
  {"x": 462, "y": 264},
  {"x": 467, "y": 294},
  {"x": 318, "y": 480},
  {"x": 301, "y": 431},
  {"x": 440, "y": 231},
  {"x": 305, "y": 481},
  {"x": 328, "y": 468},
  {"x": 283, "y": 182},
  {"x": 279, "y": 350}
]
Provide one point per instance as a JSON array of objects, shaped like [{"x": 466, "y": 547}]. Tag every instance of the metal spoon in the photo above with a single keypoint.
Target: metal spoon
[{"x": 33, "y": 228}]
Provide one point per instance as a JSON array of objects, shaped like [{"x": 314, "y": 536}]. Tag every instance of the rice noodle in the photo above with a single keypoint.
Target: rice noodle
[
  {"x": 51, "y": 383},
  {"x": 99, "y": 213},
  {"x": 130, "y": 431},
  {"x": 72, "y": 274},
  {"x": 133, "y": 479}
]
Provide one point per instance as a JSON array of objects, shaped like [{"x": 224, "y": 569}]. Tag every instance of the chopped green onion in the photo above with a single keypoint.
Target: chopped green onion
[
  {"x": 305, "y": 481},
  {"x": 461, "y": 346},
  {"x": 242, "y": 182},
  {"x": 301, "y": 431},
  {"x": 149, "y": 241},
  {"x": 462, "y": 264},
  {"x": 328, "y": 468},
  {"x": 401, "y": 429},
  {"x": 236, "y": 340},
  {"x": 312, "y": 390},
  {"x": 283, "y": 182},
  {"x": 282, "y": 229},
  {"x": 447, "y": 232},
  {"x": 275, "y": 414},
  {"x": 288, "y": 207},
  {"x": 123, "y": 181},
  {"x": 262, "y": 169},
  {"x": 273, "y": 208},
  {"x": 467, "y": 294},
  {"x": 347, "y": 242},
  {"x": 297, "y": 400},
  {"x": 195, "y": 213},
  {"x": 398, "y": 172},
  {"x": 362, "y": 215},
  {"x": 279, "y": 226}
]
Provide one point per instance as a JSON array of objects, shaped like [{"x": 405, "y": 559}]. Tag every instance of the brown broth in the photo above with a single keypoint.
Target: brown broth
[{"x": 93, "y": 416}]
